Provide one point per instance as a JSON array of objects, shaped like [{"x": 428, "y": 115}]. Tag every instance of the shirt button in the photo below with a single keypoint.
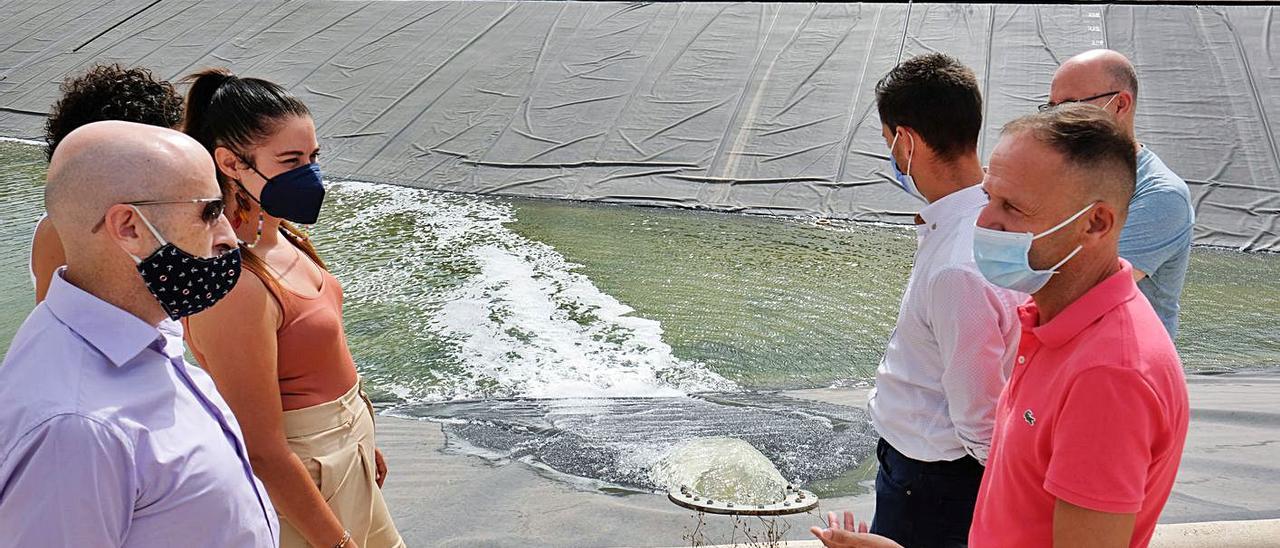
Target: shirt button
[{"x": 1022, "y": 360}]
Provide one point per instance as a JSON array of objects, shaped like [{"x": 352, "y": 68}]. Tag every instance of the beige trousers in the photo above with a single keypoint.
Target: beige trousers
[{"x": 335, "y": 442}]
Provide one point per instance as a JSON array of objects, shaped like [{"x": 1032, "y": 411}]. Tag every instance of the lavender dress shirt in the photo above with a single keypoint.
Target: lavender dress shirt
[{"x": 109, "y": 438}]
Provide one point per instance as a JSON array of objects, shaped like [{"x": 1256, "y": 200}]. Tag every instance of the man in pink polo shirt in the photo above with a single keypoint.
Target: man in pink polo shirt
[{"x": 1090, "y": 428}]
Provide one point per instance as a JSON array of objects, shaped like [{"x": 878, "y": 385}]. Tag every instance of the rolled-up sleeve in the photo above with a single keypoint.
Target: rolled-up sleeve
[
  {"x": 976, "y": 330},
  {"x": 67, "y": 482}
]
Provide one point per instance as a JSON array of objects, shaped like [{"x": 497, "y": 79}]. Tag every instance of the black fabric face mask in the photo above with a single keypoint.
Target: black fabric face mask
[{"x": 182, "y": 283}]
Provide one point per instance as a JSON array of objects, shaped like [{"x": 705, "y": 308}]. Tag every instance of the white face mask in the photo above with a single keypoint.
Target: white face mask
[
  {"x": 905, "y": 181},
  {"x": 1004, "y": 257},
  {"x": 1108, "y": 103}
]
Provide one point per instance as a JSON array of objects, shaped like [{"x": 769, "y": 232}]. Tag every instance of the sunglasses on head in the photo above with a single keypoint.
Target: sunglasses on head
[{"x": 213, "y": 208}]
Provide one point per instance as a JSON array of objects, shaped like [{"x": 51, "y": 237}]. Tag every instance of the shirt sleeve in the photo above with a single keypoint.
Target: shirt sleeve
[
  {"x": 1103, "y": 442},
  {"x": 1158, "y": 228},
  {"x": 975, "y": 326},
  {"x": 68, "y": 482}
]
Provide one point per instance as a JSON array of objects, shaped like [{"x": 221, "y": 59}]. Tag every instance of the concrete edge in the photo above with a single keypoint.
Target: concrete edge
[
  {"x": 1262, "y": 533},
  {"x": 1257, "y": 533}
]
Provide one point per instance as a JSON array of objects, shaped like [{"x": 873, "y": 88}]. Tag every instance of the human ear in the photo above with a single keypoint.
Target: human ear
[
  {"x": 124, "y": 226},
  {"x": 229, "y": 164},
  {"x": 1101, "y": 221},
  {"x": 1124, "y": 102}
]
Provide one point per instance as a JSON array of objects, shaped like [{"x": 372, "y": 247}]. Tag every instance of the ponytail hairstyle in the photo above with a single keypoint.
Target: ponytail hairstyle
[{"x": 225, "y": 110}]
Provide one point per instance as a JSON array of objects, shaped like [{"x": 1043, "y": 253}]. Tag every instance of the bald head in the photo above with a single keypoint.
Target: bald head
[
  {"x": 1104, "y": 75},
  {"x": 1107, "y": 68},
  {"x": 107, "y": 163},
  {"x": 118, "y": 190}
]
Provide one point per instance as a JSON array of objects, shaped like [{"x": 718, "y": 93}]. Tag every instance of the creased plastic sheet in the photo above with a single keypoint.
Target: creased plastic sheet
[{"x": 765, "y": 108}]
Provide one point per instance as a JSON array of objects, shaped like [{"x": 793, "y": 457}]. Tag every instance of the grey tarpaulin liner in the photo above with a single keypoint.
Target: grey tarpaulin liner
[{"x": 740, "y": 107}]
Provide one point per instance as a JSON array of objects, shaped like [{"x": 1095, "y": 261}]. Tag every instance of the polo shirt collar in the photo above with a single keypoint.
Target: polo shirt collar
[
  {"x": 1114, "y": 291},
  {"x": 954, "y": 205},
  {"x": 118, "y": 335}
]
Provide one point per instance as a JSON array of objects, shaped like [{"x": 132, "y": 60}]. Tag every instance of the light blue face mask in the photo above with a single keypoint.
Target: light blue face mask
[
  {"x": 1003, "y": 257},
  {"x": 905, "y": 180}
]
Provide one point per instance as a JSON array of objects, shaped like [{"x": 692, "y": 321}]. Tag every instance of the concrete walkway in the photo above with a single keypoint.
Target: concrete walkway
[{"x": 1235, "y": 534}]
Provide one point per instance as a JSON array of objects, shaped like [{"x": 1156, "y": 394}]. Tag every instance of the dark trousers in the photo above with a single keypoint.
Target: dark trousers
[{"x": 925, "y": 504}]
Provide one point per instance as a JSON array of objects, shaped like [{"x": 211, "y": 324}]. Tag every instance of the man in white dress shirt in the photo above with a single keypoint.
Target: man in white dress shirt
[{"x": 946, "y": 362}]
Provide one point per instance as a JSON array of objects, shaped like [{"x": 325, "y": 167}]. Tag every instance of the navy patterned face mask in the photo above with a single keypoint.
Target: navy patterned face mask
[{"x": 182, "y": 283}]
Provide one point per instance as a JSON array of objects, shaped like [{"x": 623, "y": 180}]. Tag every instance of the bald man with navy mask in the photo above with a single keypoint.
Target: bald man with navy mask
[{"x": 107, "y": 436}]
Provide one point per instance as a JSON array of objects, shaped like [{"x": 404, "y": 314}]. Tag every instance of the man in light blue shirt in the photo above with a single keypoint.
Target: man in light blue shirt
[
  {"x": 107, "y": 437},
  {"x": 1156, "y": 239}
]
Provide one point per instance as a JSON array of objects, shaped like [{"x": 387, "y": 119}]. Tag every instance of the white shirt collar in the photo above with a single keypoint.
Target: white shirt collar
[{"x": 953, "y": 205}]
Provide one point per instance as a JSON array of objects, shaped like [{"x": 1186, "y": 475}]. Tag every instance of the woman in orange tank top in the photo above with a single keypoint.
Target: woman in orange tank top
[{"x": 275, "y": 345}]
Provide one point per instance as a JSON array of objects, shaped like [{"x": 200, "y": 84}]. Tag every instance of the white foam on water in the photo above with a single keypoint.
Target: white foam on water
[
  {"x": 533, "y": 324},
  {"x": 22, "y": 141},
  {"x": 525, "y": 323}
]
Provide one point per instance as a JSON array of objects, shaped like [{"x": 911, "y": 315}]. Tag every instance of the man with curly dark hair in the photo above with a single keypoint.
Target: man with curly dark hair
[
  {"x": 112, "y": 92},
  {"x": 105, "y": 92}
]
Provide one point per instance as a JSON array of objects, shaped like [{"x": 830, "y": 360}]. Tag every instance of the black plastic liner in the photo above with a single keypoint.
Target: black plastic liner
[{"x": 762, "y": 108}]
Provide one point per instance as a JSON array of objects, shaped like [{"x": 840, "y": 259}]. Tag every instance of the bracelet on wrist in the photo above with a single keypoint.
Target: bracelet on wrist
[{"x": 346, "y": 539}]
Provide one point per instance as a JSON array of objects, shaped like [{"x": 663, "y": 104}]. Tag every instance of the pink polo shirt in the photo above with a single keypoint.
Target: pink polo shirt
[{"x": 1095, "y": 413}]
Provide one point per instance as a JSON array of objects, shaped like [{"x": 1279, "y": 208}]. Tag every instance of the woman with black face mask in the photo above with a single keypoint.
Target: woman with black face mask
[{"x": 275, "y": 346}]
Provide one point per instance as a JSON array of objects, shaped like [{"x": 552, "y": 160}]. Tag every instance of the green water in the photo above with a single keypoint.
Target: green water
[
  {"x": 779, "y": 303},
  {"x": 1229, "y": 312},
  {"x": 21, "y": 203},
  {"x": 453, "y": 296},
  {"x": 766, "y": 302}
]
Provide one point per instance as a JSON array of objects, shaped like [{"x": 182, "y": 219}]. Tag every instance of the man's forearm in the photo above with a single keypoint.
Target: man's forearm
[{"x": 1074, "y": 526}]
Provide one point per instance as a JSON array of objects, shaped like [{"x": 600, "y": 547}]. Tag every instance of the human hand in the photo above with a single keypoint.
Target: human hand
[
  {"x": 381, "y": 464},
  {"x": 852, "y": 535}
]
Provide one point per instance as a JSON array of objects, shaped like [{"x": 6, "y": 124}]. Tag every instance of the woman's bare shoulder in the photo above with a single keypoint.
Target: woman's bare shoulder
[{"x": 250, "y": 304}]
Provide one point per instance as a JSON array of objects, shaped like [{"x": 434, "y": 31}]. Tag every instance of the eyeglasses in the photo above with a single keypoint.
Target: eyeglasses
[
  {"x": 1048, "y": 106},
  {"x": 213, "y": 208}
]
